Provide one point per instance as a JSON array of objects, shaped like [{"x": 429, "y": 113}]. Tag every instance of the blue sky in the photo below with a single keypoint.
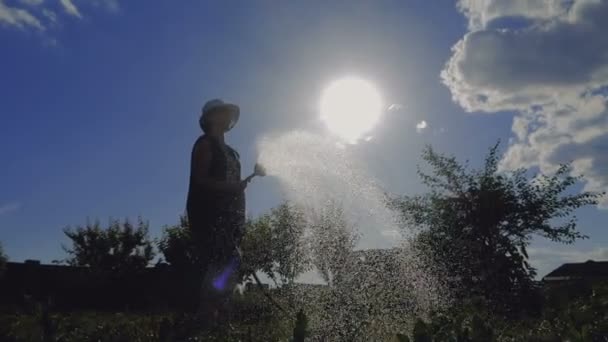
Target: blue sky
[{"x": 100, "y": 99}]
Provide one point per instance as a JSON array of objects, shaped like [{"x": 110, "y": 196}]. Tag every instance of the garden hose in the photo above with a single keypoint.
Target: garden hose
[{"x": 261, "y": 286}]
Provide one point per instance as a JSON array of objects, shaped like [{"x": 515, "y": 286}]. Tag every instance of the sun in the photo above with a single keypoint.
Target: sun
[{"x": 351, "y": 107}]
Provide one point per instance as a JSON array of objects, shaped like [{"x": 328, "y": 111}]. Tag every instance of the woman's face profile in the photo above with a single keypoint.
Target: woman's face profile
[{"x": 219, "y": 118}]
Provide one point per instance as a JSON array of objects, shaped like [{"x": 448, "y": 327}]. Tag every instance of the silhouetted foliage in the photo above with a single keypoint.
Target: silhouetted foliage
[
  {"x": 179, "y": 250},
  {"x": 575, "y": 318},
  {"x": 572, "y": 317},
  {"x": 480, "y": 223},
  {"x": 3, "y": 260},
  {"x": 257, "y": 247},
  {"x": 287, "y": 226},
  {"x": 300, "y": 330},
  {"x": 121, "y": 247},
  {"x": 272, "y": 244},
  {"x": 402, "y": 338},
  {"x": 177, "y": 246},
  {"x": 421, "y": 332}
]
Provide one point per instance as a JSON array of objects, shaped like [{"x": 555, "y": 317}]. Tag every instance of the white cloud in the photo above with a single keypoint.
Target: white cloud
[
  {"x": 395, "y": 107},
  {"x": 421, "y": 126},
  {"x": 18, "y": 17},
  {"x": 50, "y": 15},
  {"x": 9, "y": 208},
  {"x": 32, "y": 2},
  {"x": 70, "y": 8},
  {"x": 109, "y": 5},
  {"x": 41, "y": 16},
  {"x": 552, "y": 69},
  {"x": 482, "y": 12}
]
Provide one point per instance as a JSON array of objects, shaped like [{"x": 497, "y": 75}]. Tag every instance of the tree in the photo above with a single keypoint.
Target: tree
[
  {"x": 177, "y": 246},
  {"x": 3, "y": 260},
  {"x": 332, "y": 244},
  {"x": 121, "y": 247},
  {"x": 257, "y": 247},
  {"x": 480, "y": 223},
  {"x": 180, "y": 251},
  {"x": 272, "y": 244},
  {"x": 289, "y": 253}
]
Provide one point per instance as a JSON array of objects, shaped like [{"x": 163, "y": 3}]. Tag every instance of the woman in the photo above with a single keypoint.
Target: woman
[{"x": 216, "y": 205}]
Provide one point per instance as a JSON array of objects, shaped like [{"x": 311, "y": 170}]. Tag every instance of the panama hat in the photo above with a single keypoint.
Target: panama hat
[{"x": 215, "y": 104}]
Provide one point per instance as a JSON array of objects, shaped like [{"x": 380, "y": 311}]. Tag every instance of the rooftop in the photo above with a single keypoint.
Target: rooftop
[{"x": 588, "y": 269}]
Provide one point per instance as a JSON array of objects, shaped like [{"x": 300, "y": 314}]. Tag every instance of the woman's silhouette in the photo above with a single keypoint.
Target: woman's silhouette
[{"x": 216, "y": 207}]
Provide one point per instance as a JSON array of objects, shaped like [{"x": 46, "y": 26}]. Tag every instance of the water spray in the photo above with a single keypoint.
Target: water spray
[
  {"x": 259, "y": 170},
  {"x": 220, "y": 281}
]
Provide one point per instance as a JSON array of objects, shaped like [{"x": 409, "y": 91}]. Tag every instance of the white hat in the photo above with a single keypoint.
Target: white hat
[{"x": 214, "y": 104}]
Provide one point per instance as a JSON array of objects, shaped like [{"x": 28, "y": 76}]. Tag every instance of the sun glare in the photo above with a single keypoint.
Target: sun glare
[{"x": 350, "y": 107}]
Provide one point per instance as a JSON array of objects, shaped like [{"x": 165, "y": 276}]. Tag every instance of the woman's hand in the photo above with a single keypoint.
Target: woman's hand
[{"x": 243, "y": 184}]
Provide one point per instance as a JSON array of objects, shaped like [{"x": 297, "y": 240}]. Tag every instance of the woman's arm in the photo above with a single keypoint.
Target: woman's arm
[{"x": 202, "y": 165}]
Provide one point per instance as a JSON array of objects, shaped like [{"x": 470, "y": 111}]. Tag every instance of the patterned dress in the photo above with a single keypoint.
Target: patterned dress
[{"x": 217, "y": 219}]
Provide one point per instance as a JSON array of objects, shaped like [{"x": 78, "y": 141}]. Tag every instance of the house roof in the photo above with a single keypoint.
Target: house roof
[{"x": 588, "y": 269}]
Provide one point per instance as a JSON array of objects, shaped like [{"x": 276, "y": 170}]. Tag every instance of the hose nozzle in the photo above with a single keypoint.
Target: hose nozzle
[{"x": 258, "y": 170}]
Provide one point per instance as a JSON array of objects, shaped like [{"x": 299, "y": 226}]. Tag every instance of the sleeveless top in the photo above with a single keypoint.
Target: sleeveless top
[{"x": 209, "y": 208}]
